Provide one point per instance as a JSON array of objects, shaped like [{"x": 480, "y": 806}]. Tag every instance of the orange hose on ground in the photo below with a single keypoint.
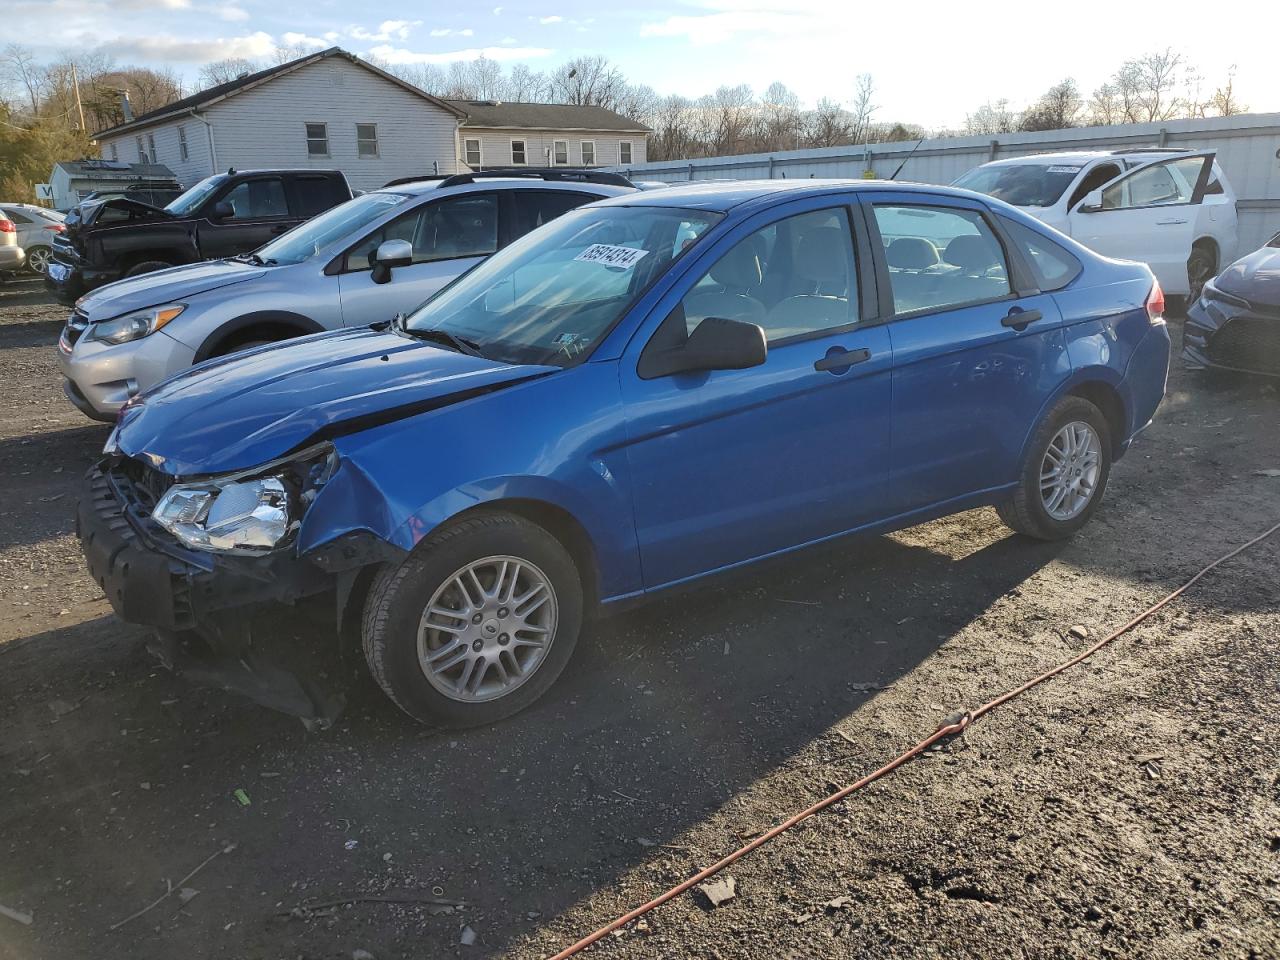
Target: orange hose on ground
[{"x": 944, "y": 731}]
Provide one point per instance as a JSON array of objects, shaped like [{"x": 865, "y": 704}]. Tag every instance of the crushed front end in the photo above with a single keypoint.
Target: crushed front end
[
  {"x": 201, "y": 561},
  {"x": 1229, "y": 332}
]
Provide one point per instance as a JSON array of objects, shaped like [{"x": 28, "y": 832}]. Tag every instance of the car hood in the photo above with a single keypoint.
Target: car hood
[
  {"x": 164, "y": 286},
  {"x": 1255, "y": 278},
  {"x": 237, "y": 412}
]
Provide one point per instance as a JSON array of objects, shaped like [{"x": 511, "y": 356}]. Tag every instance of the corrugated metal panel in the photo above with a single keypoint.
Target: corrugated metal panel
[{"x": 1248, "y": 150}]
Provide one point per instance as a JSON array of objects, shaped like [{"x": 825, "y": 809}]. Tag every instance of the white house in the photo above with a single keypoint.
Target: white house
[
  {"x": 73, "y": 180},
  {"x": 333, "y": 110}
]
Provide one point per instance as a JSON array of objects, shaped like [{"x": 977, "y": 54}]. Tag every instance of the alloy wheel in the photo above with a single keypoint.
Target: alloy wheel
[
  {"x": 487, "y": 629},
  {"x": 1070, "y": 470},
  {"x": 38, "y": 260}
]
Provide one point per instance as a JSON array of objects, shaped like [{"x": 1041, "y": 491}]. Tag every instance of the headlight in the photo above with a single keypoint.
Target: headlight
[
  {"x": 249, "y": 512},
  {"x": 134, "y": 326}
]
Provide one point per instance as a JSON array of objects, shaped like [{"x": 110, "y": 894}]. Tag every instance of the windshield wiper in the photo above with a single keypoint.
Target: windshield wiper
[
  {"x": 460, "y": 344},
  {"x": 254, "y": 259}
]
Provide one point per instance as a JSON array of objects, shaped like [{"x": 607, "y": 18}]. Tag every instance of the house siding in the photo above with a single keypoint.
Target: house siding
[
  {"x": 266, "y": 126},
  {"x": 195, "y": 168},
  {"x": 495, "y": 145}
]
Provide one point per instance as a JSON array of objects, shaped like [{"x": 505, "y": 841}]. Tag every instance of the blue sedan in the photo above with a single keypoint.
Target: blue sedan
[{"x": 647, "y": 391}]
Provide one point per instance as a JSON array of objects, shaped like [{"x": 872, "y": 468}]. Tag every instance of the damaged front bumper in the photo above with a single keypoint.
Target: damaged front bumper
[
  {"x": 206, "y": 608},
  {"x": 1229, "y": 333}
]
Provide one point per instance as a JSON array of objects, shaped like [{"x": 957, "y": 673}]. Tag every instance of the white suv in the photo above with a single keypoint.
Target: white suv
[{"x": 1171, "y": 209}]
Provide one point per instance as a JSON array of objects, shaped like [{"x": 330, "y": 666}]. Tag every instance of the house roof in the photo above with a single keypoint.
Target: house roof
[
  {"x": 229, "y": 89},
  {"x": 115, "y": 170},
  {"x": 543, "y": 116}
]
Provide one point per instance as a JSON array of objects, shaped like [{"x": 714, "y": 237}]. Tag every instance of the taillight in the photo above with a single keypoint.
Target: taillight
[
  {"x": 56, "y": 228},
  {"x": 1155, "y": 303},
  {"x": 6, "y": 226}
]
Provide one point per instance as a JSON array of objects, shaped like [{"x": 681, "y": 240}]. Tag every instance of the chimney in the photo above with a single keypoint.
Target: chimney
[{"x": 126, "y": 108}]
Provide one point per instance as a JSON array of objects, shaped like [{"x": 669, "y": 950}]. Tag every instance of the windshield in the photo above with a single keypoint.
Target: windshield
[
  {"x": 552, "y": 295},
  {"x": 307, "y": 239},
  {"x": 195, "y": 196},
  {"x": 1022, "y": 184}
]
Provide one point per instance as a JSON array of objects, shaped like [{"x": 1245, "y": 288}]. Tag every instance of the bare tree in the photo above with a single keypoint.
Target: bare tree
[
  {"x": 18, "y": 65},
  {"x": 224, "y": 71},
  {"x": 524, "y": 85},
  {"x": 1145, "y": 87},
  {"x": 1056, "y": 109},
  {"x": 1104, "y": 106},
  {"x": 863, "y": 108},
  {"x": 673, "y": 136},
  {"x": 829, "y": 125},
  {"x": 587, "y": 81},
  {"x": 992, "y": 117},
  {"x": 781, "y": 123},
  {"x": 1224, "y": 100}
]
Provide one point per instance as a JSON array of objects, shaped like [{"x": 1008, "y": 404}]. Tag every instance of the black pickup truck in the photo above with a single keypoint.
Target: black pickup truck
[{"x": 221, "y": 216}]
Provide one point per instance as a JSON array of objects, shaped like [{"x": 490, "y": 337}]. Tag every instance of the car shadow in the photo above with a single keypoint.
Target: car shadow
[
  {"x": 40, "y": 483},
  {"x": 665, "y": 714}
]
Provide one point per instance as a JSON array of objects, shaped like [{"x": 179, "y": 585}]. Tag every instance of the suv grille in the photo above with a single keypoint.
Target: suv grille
[{"x": 140, "y": 485}]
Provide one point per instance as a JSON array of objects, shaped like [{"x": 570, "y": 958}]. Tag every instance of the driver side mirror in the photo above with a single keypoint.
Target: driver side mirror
[
  {"x": 390, "y": 253},
  {"x": 222, "y": 210},
  {"x": 715, "y": 344},
  {"x": 1092, "y": 201}
]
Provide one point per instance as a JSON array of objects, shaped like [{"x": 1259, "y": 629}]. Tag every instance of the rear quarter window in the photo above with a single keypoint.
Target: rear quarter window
[{"x": 1052, "y": 265}]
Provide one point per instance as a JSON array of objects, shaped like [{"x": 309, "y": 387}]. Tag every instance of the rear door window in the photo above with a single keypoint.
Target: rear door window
[
  {"x": 533, "y": 208},
  {"x": 1052, "y": 265},
  {"x": 940, "y": 257}
]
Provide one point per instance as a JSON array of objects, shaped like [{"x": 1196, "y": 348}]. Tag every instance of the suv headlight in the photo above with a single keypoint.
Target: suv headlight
[
  {"x": 134, "y": 326},
  {"x": 254, "y": 511}
]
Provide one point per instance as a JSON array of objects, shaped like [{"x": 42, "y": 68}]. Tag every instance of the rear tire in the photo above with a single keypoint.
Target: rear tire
[
  {"x": 147, "y": 266},
  {"x": 1069, "y": 457},
  {"x": 38, "y": 260},
  {"x": 429, "y": 662}
]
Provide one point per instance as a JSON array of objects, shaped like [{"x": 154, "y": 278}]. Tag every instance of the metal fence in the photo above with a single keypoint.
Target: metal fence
[{"x": 1248, "y": 149}]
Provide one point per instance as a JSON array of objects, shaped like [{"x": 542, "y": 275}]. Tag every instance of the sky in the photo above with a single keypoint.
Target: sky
[{"x": 931, "y": 65}]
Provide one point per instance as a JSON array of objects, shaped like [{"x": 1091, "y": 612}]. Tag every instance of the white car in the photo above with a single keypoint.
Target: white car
[{"x": 1171, "y": 209}]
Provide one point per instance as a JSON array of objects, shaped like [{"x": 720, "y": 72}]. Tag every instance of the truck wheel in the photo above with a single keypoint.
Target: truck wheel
[
  {"x": 476, "y": 624},
  {"x": 1064, "y": 473},
  {"x": 147, "y": 266}
]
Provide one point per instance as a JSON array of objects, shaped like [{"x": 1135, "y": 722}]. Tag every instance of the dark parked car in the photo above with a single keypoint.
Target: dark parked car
[
  {"x": 159, "y": 193},
  {"x": 643, "y": 392},
  {"x": 1235, "y": 325},
  {"x": 221, "y": 216}
]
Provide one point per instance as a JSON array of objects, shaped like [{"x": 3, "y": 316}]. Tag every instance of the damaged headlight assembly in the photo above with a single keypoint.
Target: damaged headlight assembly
[{"x": 250, "y": 512}]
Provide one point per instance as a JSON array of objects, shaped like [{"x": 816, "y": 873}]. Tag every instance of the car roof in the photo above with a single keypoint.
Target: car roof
[
  {"x": 1085, "y": 156},
  {"x": 420, "y": 188},
  {"x": 723, "y": 195}
]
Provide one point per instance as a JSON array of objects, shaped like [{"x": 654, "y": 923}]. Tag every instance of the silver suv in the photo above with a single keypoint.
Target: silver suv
[{"x": 364, "y": 261}]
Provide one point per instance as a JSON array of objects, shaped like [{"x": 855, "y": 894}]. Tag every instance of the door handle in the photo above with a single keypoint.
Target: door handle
[
  {"x": 838, "y": 359},
  {"x": 1019, "y": 318},
  {"x": 1169, "y": 223}
]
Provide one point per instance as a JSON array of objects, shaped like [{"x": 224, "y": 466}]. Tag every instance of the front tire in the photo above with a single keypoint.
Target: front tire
[
  {"x": 147, "y": 266},
  {"x": 1064, "y": 473},
  {"x": 476, "y": 624}
]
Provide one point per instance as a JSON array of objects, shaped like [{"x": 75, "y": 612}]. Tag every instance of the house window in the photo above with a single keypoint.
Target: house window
[
  {"x": 518, "y": 156},
  {"x": 560, "y": 153},
  {"x": 182, "y": 143},
  {"x": 588, "y": 153},
  {"x": 471, "y": 152},
  {"x": 317, "y": 140},
  {"x": 115, "y": 152},
  {"x": 151, "y": 147},
  {"x": 624, "y": 151},
  {"x": 367, "y": 139},
  {"x": 142, "y": 151}
]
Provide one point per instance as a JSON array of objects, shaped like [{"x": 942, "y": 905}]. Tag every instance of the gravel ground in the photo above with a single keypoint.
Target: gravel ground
[{"x": 1130, "y": 808}]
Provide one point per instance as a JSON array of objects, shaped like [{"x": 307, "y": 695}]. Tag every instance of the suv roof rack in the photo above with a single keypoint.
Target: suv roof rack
[
  {"x": 569, "y": 174},
  {"x": 1119, "y": 153}
]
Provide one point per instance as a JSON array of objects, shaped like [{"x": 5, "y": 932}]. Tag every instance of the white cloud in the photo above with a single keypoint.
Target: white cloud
[
  {"x": 497, "y": 11},
  {"x": 230, "y": 12},
  {"x": 508, "y": 41},
  {"x": 400, "y": 55},
  {"x": 302, "y": 40},
  {"x": 332, "y": 36},
  {"x": 450, "y": 32},
  {"x": 552, "y": 19},
  {"x": 170, "y": 49},
  {"x": 387, "y": 30}
]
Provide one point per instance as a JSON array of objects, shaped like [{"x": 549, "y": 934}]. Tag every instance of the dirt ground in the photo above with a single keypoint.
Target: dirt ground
[{"x": 1130, "y": 808}]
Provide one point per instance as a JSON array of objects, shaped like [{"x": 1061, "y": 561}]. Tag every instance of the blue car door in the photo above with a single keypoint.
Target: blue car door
[
  {"x": 977, "y": 347},
  {"x": 730, "y": 465}
]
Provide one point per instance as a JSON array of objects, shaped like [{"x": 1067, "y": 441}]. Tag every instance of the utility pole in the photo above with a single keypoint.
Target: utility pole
[{"x": 75, "y": 82}]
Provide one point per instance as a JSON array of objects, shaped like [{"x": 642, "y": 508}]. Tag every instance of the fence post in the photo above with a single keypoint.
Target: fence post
[
  {"x": 1164, "y": 136},
  {"x": 992, "y": 150},
  {"x": 770, "y": 167}
]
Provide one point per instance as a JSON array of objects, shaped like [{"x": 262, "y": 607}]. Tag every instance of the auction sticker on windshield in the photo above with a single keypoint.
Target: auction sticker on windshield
[{"x": 611, "y": 256}]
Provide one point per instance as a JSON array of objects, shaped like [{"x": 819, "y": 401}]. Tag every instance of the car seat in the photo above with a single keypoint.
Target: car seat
[
  {"x": 911, "y": 253},
  {"x": 823, "y": 263},
  {"x": 739, "y": 274}
]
